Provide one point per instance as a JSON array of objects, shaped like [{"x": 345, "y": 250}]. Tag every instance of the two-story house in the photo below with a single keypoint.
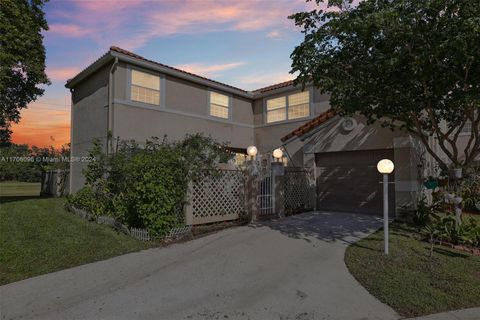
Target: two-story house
[{"x": 135, "y": 98}]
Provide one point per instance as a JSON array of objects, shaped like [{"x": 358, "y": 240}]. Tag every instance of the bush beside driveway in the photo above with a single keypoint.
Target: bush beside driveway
[{"x": 411, "y": 281}]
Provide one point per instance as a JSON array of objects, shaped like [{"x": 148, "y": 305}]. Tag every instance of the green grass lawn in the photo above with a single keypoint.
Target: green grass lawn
[
  {"x": 24, "y": 189},
  {"x": 38, "y": 236},
  {"x": 409, "y": 280}
]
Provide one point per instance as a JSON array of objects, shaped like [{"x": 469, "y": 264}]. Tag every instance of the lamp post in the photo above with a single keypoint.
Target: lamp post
[{"x": 385, "y": 167}]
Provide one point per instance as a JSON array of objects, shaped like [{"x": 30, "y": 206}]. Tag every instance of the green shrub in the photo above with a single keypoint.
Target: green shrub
[
  {"x": 89, "y": 200},
  {"x": 448, "y": 230},
  {"x": 472, "y": 233},
  {"x": 470, "y": 188},
  {"x": 83, "y": 199},
  {"x": 422, "y": 215},
  {"x": 144, "y": 186}
]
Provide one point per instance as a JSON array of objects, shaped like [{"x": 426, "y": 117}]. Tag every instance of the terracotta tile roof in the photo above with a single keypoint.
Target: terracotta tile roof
[
  {"x": 306, "y": 127},
  {"x": 136, "y": 56},
  {"x": 274, "y": 86}
]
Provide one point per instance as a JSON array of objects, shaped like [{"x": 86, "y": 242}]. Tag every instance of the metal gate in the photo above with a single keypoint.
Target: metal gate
[{"x": 266, "y": 196}]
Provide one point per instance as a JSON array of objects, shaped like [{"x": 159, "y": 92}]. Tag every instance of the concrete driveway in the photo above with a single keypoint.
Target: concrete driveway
[{"x": 286, "y": 269}]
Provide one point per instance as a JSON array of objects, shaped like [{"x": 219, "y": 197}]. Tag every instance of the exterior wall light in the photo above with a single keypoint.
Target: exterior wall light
[
  {"x": 385, "y": 167},
  {"x": 252, "y": 164},
  {"x": 252, "y": 151},
  {"x": 278, "y": 154}
]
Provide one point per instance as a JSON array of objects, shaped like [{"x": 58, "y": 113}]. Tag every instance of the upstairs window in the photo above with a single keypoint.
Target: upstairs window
[
  {"x": 294, "y": 106},
  {"x": 219, "y": 105},
  {"x": 145, "y": 88},
  {"x": 276, "y": 109},
  {"x": 299, "y": 105}
]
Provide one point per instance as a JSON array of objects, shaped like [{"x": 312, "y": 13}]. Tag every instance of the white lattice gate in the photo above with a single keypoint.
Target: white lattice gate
[
  {"x": 217, "y": 199},
  {"x": 266, "y": 195}
]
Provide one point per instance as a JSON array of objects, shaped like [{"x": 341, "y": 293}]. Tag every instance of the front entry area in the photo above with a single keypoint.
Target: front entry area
[{"x": 349, "y": 181}]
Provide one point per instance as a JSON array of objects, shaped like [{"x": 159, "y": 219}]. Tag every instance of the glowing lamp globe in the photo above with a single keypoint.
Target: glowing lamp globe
[
  {"x": 252, "y": 151},
  {"x": 277, "y": 153},
  {"x": 385, "y": 166}
]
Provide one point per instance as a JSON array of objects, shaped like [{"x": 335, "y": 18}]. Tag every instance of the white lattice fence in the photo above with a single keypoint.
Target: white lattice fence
[
  {"x": 215, "y": 199},
  {"x": 298, "y": 193}
]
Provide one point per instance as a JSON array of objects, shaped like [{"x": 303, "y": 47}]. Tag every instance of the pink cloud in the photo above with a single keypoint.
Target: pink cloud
[
  {"x": 274, "y": 35},
  {"x": 68, "y": 30},
  {"x": 62, "y": 74},
  {"x": 108, "y": 5},
  {"x": 260, "y": 80},
  {"x": 208, "y": 15},
  {"x": 208, "y": 69},
  {"x": 131, "y": 24}
]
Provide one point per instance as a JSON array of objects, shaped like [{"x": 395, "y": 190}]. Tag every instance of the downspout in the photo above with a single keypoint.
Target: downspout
[
  {"x": 111, "y": 83},
  {"x": 70, "y": 168}
]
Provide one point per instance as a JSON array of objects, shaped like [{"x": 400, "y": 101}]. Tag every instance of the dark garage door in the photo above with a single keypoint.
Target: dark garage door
[{"x": 349, "y": 181}]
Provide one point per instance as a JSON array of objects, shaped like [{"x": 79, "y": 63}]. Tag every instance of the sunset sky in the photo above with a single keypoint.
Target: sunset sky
[{"x": 244, "y": 43}]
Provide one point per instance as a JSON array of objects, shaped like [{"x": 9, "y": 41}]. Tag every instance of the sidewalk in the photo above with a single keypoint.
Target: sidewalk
[{"x": 465, "y": 314}]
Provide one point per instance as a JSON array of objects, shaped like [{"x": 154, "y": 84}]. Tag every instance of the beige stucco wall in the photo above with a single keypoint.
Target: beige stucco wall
[
  {"x": 408, "y": 155},
  {"x": 89, "y": 114},
  {"x": 185, "y": 97},
  {"x": 140, "y": 124},
  {"x": 331, "y": 137},
  {"x": 184, "y": 108}
]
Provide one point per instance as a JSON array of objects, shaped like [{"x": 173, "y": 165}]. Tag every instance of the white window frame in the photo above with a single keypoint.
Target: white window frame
[
  {"x": 285, "y": 96},
  {"x": 209, "y": 105},
  {"x": 141, "y": 103}
]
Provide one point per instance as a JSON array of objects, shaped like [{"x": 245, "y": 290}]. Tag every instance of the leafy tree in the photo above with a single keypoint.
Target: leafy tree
[
  {"x": 22, "y": 59},
  {"x": 408, "y": 64},
  {"x": 19, "y": 162}
]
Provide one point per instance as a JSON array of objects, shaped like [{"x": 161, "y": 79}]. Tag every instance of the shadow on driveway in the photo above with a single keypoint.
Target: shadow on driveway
[{"x": 325, "y": 226}]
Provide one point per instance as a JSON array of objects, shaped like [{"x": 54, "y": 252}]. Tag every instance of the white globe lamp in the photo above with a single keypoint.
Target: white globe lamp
[
  {"x": 278, "y": 154},
  {"x": 385, "y": 166},
  {"x": 252, "y": 151}
]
